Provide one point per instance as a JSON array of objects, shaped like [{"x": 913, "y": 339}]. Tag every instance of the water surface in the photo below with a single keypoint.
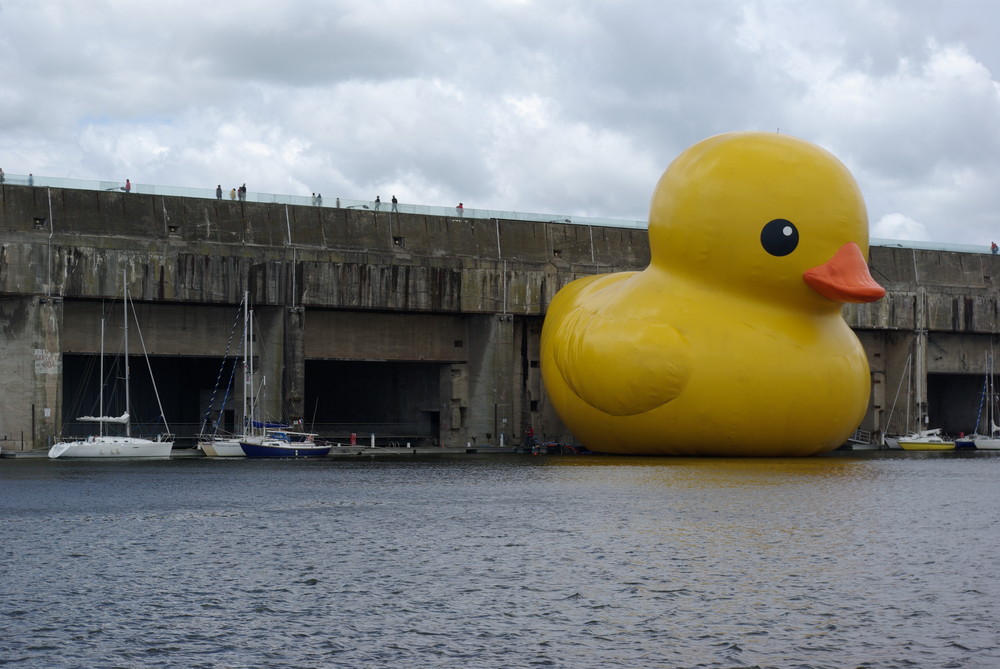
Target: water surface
[{"x": 856, "y": 560}]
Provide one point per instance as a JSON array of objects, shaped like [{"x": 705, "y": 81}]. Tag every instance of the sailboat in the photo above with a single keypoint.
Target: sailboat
[
  {"x": 220, "y": 446},
  {"x": 266, "y": 440},
  {"x": 984, "y": 443},
  {"x": 216, "y": 445},
  {"x": 920, "y": 440},
  {"x": 926, "y": 440},
  {"x": 103, "y": 445},
  {"x": 281, "y": 443},
  {"x": 990, "y": 442}
]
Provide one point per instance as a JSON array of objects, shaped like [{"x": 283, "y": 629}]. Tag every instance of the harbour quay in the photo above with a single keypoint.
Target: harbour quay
[{"x": 341, "y": 452}]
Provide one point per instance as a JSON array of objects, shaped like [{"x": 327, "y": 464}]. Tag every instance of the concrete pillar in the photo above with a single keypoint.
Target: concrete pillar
[
  {"x": 454, "y": 394},
  {"x": 31, "y": 366},
  {"x": 294, "y": 367},
  {"x": 899, "y": 414},
  {"x": 878, "y": 403},
  {"x": 269, "y": 350},
  {"x": 536, "y": 413},
  {"x": 874, "y": 342},
  {"x": 492, "y": 376},
  {"x": 505, "y": 409}
]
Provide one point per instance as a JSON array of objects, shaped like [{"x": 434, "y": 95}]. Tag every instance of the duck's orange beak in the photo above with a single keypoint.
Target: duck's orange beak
[{"x": 845, "y": 277}]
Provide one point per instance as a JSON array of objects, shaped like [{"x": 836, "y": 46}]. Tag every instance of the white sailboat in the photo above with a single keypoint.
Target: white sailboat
[
  {"x": 264, "y": 440},
  {"x": 228, "y": 446},
  {"x": 222, "y": 447},
  {"x": 104, "y": 445},
  {"x": 991, "y": 441},
  {"x": 984, "y": 443},
  {"x": 219, "y": 446},
  {"x": 918, "y": 440}
]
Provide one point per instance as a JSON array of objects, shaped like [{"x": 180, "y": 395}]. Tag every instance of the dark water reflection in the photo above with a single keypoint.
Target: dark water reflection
[{"x": 845, "y": 561}]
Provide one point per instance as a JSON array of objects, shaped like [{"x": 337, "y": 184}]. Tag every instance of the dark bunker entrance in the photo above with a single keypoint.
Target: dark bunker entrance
[
  {"x": 186, "y": 388},
  {"x": 398, "y": 402}
]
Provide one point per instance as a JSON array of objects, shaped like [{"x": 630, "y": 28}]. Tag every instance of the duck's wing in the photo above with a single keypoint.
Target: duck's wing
[{"x": 616, "y": 363}]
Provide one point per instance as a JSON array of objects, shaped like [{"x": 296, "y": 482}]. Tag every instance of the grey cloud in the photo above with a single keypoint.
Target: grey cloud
[{"x": 569, "y": 106}]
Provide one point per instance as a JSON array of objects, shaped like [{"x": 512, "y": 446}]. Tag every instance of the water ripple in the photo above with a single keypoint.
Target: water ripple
[{"x": 876, "y": 562}]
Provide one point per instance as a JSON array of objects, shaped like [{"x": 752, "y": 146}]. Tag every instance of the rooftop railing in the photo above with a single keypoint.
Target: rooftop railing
[{"x": 403, "y": 208}]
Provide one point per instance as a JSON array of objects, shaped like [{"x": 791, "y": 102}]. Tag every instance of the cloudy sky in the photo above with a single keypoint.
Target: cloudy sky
[{"x": 562, "y": 106}]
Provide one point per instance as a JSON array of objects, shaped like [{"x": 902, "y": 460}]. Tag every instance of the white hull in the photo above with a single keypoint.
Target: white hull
[
  {"x": 112, "y": 447},
  {"x": 984, "y": 443},
  {"x": 222, "y": 448},
  {"x": 864, "y": 447}
]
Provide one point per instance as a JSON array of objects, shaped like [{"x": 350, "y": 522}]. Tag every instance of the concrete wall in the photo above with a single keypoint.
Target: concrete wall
[
  {"x": 337, "y": 284},
  {"x": 31, "y": 368}
]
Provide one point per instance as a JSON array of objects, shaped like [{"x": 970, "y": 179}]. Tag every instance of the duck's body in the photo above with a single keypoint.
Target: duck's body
[{"x": 722, "y": 346}]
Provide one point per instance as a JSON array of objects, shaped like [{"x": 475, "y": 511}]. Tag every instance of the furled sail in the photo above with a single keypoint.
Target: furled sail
[{"x": 105, "y": 419}]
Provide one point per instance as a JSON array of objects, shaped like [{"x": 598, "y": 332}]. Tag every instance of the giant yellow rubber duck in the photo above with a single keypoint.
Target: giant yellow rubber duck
[{"x": 731, "y": 342}]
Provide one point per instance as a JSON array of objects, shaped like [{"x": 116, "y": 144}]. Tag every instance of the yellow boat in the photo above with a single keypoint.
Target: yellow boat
[{"x": 927, "y": 440}]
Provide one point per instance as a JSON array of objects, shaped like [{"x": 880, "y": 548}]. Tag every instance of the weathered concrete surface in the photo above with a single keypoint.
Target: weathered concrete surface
[
  {"x": 31, "y": 369},
  {"x": 339, "y": 284},
  {"x": 208, "y": 251}
]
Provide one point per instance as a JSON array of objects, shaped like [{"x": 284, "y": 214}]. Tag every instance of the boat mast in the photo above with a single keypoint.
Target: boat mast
[
  {"x": 100, "y": 408},
  {"x": 246, "y": 377},
  {"x": 909, "y": 392},
  {"x": 250, "y": 389},
  {"x": 128, "y": 409},
  {"x": 990, "y": 409}
]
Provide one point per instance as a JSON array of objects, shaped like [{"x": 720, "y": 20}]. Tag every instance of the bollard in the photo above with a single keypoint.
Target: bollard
[
  {"x": 373, "y": 440},
  {"x": 354, "y": 438}
]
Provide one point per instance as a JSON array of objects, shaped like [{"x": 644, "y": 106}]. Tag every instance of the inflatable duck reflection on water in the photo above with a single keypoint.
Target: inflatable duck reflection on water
[{"x": 731, "y": 342}]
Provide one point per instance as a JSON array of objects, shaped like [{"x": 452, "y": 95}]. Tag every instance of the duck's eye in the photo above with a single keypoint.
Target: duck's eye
[{"x": 779, "y": 237}]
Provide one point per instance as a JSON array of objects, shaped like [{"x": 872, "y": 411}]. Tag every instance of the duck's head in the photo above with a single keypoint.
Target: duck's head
[{"x": 765, "y": 215}]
